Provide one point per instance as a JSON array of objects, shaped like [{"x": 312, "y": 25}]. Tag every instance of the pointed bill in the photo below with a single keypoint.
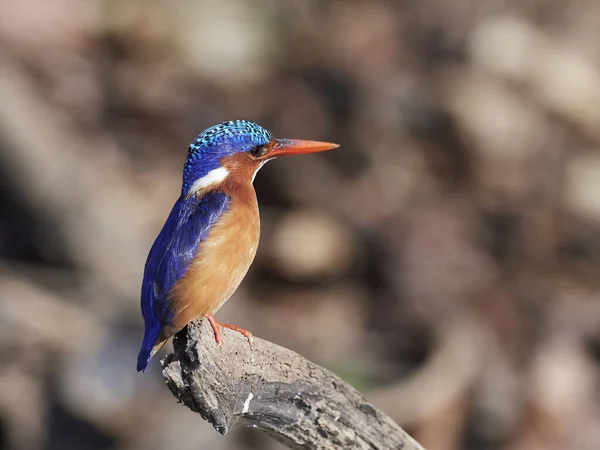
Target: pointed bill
[{"x": 298, "y": 147}]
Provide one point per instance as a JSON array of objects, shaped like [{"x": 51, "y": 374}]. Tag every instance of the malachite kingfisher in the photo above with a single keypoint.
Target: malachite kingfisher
[{"x": 210, "y": 238}]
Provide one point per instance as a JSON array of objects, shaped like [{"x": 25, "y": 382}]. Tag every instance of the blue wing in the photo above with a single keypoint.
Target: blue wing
[{"x": 171, "y": 254}]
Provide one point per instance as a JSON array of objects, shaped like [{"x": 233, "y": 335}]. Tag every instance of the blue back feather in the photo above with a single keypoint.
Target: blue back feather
[{"x": 171, "y": 254}]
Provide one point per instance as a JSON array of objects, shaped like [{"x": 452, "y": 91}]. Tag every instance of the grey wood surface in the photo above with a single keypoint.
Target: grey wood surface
[{"x": 269, "y": 387}]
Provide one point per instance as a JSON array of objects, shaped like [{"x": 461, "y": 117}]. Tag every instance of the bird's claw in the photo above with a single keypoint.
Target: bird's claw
[
  {"x": 245, "y": 333},
  {"x": 217, "y": 331}
]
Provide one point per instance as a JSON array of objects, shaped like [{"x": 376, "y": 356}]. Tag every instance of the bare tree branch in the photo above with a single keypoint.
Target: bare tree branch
[{"x": 276, "y": 390}]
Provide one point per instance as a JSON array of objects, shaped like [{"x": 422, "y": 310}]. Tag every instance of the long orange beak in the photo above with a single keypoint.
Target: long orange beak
[{"x": 298, "y": 147}]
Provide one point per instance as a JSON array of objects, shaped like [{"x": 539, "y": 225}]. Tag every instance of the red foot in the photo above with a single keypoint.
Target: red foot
[
  {"x": 243, "y": 332},
  {"x": 219, "y": 337}
]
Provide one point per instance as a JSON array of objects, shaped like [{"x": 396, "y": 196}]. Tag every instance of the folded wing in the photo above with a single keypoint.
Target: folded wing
[{"x": 186, "y": 228}]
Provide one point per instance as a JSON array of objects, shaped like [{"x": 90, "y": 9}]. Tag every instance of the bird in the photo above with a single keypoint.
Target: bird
[{"x": 210, "y": 238}]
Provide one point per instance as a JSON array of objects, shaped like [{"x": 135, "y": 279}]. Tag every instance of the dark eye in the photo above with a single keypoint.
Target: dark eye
[{"x": 257, "y": 150}]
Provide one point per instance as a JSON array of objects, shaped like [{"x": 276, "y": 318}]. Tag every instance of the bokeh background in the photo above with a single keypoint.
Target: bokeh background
[{"x": 445, "y": 260}]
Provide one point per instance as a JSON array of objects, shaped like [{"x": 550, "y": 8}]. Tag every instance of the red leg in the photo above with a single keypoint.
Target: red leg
[{"x": 215, "y": 326}]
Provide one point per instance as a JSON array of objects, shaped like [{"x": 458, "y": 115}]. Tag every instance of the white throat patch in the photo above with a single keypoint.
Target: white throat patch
[
  {"x": 259, "y": 167},
  {"x": 212, "y": 177}
]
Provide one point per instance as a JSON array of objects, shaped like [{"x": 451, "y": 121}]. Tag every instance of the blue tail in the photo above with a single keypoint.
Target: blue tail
[
  {"x": 143, "y": 359},
  {"x": 145, "y": 355}
]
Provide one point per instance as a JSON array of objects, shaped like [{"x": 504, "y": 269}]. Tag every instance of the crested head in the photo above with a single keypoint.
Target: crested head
[
  {"x": 205, "y": 153},
  {"x": 237, "y": 145}
]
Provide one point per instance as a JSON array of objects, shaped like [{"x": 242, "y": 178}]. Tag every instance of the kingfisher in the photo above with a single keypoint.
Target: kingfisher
[{"x": 210, "y": 238}]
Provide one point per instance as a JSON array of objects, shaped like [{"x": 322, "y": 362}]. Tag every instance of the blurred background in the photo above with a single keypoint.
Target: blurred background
[{"x": 444, "y": 260}]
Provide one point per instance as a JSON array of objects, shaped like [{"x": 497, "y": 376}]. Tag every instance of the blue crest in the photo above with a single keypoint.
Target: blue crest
[{"x": 224, "y": 139}]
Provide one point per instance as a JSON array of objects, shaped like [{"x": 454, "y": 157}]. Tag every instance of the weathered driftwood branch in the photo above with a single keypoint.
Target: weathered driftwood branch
[{"x": 276, "y": 390}]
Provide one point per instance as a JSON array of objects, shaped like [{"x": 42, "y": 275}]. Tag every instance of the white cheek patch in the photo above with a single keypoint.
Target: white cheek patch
[{"x": 212, "y": 177}]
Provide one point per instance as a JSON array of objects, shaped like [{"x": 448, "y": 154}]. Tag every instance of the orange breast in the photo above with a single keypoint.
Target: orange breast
[{"x": 220, "y": 264}]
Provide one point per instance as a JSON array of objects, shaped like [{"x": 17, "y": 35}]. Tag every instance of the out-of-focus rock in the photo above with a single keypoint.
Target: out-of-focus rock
[
  {"x": 505, "y": 45},
  {"x": 43, "y": 26},
  {"x": 507, "y": 133},
  {"x": 62, "y": 326},
  {"x": 443, "y": 268},
  {"x": 228, "y": 42},
  {"x": 498, "y": 395},
  {"x": 310, "y": 244},
  {"x": 561, "y": 77},
  {"x": 370, "y": 51},
  {"x": 182, "y": 431},
  {"x": 582, "y": 187},
  {"x": 324, "y": 325},
  {"x": 501, "y": 124},
  {"x": 563, "y": 380},
  {"x": 99, "y": 384},
  {"x": 55, "y": 37},
  {"x": 23, "y": 397},
  {"x": 448, "y": 374}
]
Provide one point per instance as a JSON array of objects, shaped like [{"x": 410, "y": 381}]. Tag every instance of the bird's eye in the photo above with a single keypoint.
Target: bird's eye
[{"x": 257, "y": 150}]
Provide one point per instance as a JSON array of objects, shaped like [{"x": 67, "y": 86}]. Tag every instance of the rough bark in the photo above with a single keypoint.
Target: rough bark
[{"x": 269, "y": 387}]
